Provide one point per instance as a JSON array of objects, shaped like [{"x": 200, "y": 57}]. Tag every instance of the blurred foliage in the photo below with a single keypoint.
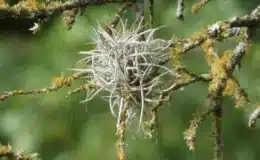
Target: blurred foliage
[{"x": 61, "y": 128}]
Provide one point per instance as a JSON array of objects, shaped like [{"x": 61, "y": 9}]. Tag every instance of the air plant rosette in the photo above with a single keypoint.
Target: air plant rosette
[{"x": 130, "y": 70}]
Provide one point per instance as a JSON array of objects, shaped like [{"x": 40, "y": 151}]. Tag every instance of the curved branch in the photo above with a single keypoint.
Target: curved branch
[{"x": 21, "y": 10}]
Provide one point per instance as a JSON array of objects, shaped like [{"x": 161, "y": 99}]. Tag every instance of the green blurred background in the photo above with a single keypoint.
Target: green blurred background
[{"x": 61, "y": 128}]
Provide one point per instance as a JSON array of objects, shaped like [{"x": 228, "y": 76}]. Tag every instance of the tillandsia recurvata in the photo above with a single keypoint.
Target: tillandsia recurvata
[{"x": 135, "y": 72}]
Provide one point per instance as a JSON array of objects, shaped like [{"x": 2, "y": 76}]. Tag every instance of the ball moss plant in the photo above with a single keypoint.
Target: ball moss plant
[{"x": 124, "y": 66}]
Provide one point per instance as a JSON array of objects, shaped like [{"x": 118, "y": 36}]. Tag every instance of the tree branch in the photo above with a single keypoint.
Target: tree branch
[{"x": 21, "y": 10}]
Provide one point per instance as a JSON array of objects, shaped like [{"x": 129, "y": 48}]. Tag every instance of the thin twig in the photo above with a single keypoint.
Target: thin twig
[
  {"x": 254, "y": 116},
  {"x": 196, "y": 7},
  {"x": 180, "y": 9},
  {"x": 120, "y": 136},
  {"x": 121, "y": 10},
  {"x": 58, "y": 83},
  {"x": 151, "y": 8},
  {"x": 190, "y": 133},
  {"x": 218, "y": 135}
]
